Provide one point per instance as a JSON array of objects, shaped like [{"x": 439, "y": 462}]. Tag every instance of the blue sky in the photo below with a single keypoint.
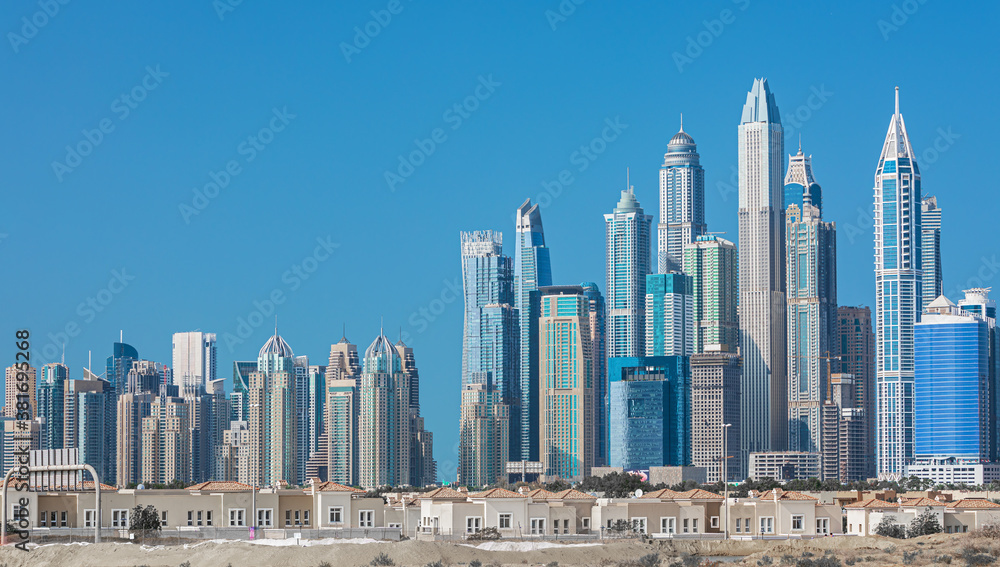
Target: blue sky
[{"x": 312, "y": 221}]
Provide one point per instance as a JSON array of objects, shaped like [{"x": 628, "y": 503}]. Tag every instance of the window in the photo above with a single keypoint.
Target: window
[
  {"x": 505, "y": 521},
  {"x": 767, "y": 525},
  {"x": 537, "y": 526},
  {"x": 163, "y": 518},
  {"x": 739, "y": 525},
  {"x": 639, "y": 525},
  {"x": 288, "y": 517},
  {"x": 237, "y": 517},
  {"x": 62, "y": 519},
  {"x": 208, "y": 517},
  {"x": 89, "y": 518},
  {"x": 199, "y": 517},
  {"x": 715, "y": 521},
  {"x": 119, "y": 518},
  {"x": 298, "y": 518},
  {"x": 687, "y": 525},
  {"x": 694, "y": 525},
  {"x": 797, "y": 521},
  {"x": 473, "y": 524},
  {"x": 586, "y": 523},
  {"x": 41, "y": 521},
  {"x": 335, "y": 514},
  {"x": 394, "y": 525},
  {"x": 265, "y": 517},
  {"x": 746, "y": 525},
  {"x": 190, "y": 518},
  {"x": 305, "y": 517},
  {"x": 822, "y": 525},
  {"x": 668, "y": 525},
  {"x": 366, "y": 519}
]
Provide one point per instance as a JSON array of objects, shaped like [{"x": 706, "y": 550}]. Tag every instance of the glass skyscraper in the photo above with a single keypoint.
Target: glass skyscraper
[
  {"x": 951, "y": 385},
  {"x": 384, "y": 419},
  {"x": 711, "y": 263},
  {"x": 627, "y": 237},
  {"x": 567, "y": 400},
  {"x": 898, "y": 289},
  {"x": 490, "y": 338},
  {"x": 51, "y": 394},
  {"x": 930, "y": 251},
  {"x": 597, "y": 333},
  {"x": 650, "y": 411},
  {"x": 811, "y": 270},
  {"x": 682, "y": 201},
  {"x": 532, "y": 269},
  {"x": 762, "y": 274},
  {"x": 669, "y": 315}
]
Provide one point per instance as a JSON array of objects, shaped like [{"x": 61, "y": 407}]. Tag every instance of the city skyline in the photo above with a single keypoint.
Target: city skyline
[{"x": 191, "y": 124}]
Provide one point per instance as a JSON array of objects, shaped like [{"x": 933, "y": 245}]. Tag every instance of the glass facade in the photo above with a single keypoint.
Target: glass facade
[
  {"x": 650, "y": 418},
  {"x": 951, "y": 388},
  {"x": 682, "y": 201}
]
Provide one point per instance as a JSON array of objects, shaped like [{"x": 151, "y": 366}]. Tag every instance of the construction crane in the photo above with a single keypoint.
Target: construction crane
[{"x": 829, "y": 376}]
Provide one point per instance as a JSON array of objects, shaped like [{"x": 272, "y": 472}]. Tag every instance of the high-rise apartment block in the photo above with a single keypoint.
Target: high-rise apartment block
[
  {"x": 628, "y": 263},
  {"x": 711, "y": 262},
  {"x": 682, "y": 202},
  {"x": 669, "y": 315}
]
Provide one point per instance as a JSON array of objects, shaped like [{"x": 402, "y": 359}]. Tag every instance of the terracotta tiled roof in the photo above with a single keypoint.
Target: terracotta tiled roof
[
  {"x": 922, "y": 502},
  {"x": 699, "y": 494},
  {"x": 872, "y": 503},
  {"x": 444, "y": 493},
  {"x": 220, "y": 486},
  {"x": 541, "y": 494},
  {"x": 572, "y": 494},
  {"x": 331, "y": 486},
  {"x": 662, "y": 493},
  {"x": 973, "y": 504},
  {"x": 782, "y": 495},
  {"x": 497, "y": 493}
]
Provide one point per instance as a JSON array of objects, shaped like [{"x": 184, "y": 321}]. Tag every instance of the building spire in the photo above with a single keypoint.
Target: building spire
[
  {"x": 800, "y": 142},
  {"x": 897, "y": 100},
  {"x": 682, "y": 122}
]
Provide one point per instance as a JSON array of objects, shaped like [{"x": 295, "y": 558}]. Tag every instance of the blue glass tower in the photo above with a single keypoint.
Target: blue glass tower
[
  {"x": 51, "y": 393},
  {"x": 951, "y": 385},
  {"x": 119, "y": 363},
  {"x": 532, "y": 270},
  {"x": 627, "y": 238},
  {"x": 898, "y": 279},
  {"x": 669, "y": 315},
  {"x": 597, "y": 333},
  {"x": 650, "y": 411}
]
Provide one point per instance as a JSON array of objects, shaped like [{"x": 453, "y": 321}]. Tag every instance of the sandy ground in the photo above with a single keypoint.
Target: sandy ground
[{"x": 862, "y": 551}]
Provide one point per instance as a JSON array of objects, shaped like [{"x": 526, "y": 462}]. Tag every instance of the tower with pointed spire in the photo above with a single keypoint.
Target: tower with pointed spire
[
  {"x": 628, "y": 262},
  {"x": 762, "y": 274},
  {"x": 269, "y": 454},
  {"x": 682, "y": 201},
  {"x": 898, "y": 290}
]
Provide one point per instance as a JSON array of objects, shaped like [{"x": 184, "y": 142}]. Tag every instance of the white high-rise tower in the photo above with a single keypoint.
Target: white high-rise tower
[{"x": 762, "y": 274}]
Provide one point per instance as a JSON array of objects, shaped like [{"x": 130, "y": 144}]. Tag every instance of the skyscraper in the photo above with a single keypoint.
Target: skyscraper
[
  {"x": 194, "y": 359},
  {"x": 682, "y": 201},
  {"x": 856, "y": 343},
  {"x": 166, "y": 441},
  {"x": 715, "y": 402},
  {"x": 951, "y": 385},
  {"x": 51, "y": 395},
  {"x": 762, "y": 274},
  {"x": 898, "y": 289},
  {"x": 669, "y": 315},
  {"x": 567, "y": 437},
  {"x": 423, "y": 469},
  {"x": 118, "y": 365},
  {"x": 930, "y": 251},
  {"x": 384, "y": 418},
  {"x": 598, "y": 311},
  {"x": 978, "y": 303},
  {"x": 133, "y": 406},
  {"x": 14, "y": 392},
  {"x": 532, "y": 269},
  {"x": 343, "y": 381},
  {"x": 269, "y": 454},
  {"x": 711, "y": 263},
  {"x": 811, "y": 253},
  {"x": 483, "y": 430},
  {"x": 93, "y": 419},
  {"x": 490, "y": 337},
  {"x": 650, "y": 411},
  {"x": 628, "y": 248}
]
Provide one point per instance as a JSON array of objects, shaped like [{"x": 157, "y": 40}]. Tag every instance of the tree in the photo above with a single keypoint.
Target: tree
[
  {"x": 614, "y": 485},
  {"x": 889, "y": 528},
  {"x": 144, "y": 520},
  {"x": 925, "y": 524}
]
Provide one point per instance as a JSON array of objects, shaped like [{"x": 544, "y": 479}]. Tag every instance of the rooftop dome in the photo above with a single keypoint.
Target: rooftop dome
[
  {"x": 682, "y": 138},
  {"x": 275, "y": 345},
  {"x": 381, "y": 346}
]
